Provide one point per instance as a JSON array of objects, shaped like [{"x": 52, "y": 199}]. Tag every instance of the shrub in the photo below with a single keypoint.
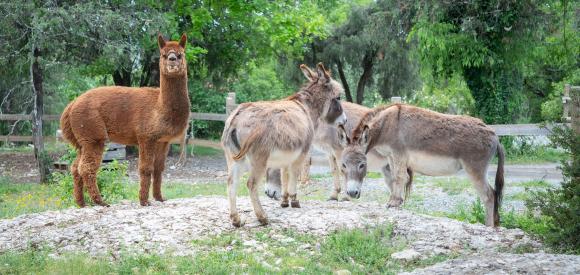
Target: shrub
[
  {"x": 111, "y": 179},
  {"x": 562, "y": 204}
]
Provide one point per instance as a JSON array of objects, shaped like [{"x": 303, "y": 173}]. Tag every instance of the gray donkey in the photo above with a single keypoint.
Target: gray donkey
[
  {"x": 427, "y": 142},
  {"x": 327, "y": 140},
  {"x": 278, "y": 134}
]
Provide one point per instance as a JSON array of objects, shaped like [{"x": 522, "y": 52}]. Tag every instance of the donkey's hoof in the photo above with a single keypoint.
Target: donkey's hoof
[
  {"x": 345, "y": 198},
  {"x": 263, "y": 220},
  {"x": 284, "y": 204},
  {"x": 394, "y": 203},
  {"x": 333, "y": 198},
  {"x": 237, "y": 223},
  {"x": 295, "y": 204},
  {"x": 145, "y": 203}
]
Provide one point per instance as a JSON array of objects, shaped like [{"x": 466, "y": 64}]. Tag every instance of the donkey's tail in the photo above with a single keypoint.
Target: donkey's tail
[
  {"x": 67, "y": 128},
  {"x": 248, "y": 143},
  {"x": 499, "y": 182}
]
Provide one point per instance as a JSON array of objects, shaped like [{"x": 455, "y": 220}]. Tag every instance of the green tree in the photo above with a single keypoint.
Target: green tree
[{"x": 485, "y": 41}]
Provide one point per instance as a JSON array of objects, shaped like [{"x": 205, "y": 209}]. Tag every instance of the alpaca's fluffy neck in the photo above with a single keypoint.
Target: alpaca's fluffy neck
[{"x": 173, "y": 97}]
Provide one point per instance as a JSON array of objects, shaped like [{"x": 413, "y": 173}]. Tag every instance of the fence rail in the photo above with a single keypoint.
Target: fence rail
[{"x": 501, "y": 130}]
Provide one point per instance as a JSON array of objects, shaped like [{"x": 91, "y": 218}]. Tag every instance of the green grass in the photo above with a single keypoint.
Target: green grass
[
  {"x": 25, "y": 198},
  {"x": 453, "y": 185},
  {"x": 198, "y": 150},
  {"x": 361, "y": 251},
  {"x": 536, "y": 154}
]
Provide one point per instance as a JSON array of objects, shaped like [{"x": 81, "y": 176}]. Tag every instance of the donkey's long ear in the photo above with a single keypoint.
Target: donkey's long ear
[
  {"x": 160, "y": 40},
  {"x": 365, "y": 138},
  {"x": 183, "y": 40},
  {"x": 343, "y": 139},
  {"x": 323, "y": 74},
  {"x": 307, "y": 73}
]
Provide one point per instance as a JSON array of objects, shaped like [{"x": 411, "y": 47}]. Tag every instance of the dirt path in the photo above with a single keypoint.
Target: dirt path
[{"x": 170, "y": 227}]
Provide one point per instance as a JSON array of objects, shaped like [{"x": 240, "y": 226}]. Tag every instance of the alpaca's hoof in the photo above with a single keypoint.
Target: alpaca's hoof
[
  {"x": 160, "y": 199},
  {"x": 263, "y": 220},
  {"x": 81, "y": 204},
  {"x": 145, "y": 203},
  {"x": 104, "y": 204},
  {"x": 284, "y": 204},
  {"x": 295, "y": 204}
]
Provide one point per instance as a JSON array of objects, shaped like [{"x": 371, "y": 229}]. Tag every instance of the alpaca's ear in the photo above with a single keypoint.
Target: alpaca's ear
[
  {"x": 343, "y": 139},
  {"x": 160, "y": 40},
  {"x": 365, "y": 138},
  {"x": 323, "y": 74},
  {"x": 183, "y": 40},
  {"x": 307, "y": 73}
]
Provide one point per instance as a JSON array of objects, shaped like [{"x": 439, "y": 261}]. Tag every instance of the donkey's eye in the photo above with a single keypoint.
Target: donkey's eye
[
  {"x": 361, "y": 166},
  {"x": 343, "y": 166},
  {"x": 338, "y": 98}
]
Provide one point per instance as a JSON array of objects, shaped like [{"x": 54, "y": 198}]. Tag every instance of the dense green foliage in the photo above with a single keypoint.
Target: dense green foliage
[
  {"x": 504, "y": 60},
  {"x": 562, "y": 204}
]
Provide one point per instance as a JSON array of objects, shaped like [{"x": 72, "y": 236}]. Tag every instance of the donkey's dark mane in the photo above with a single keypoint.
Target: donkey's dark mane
[{"x": 357, "y": 132}]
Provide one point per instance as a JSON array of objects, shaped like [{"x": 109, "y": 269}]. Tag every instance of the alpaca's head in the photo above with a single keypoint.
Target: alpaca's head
[{"x": 172, "y": 57}]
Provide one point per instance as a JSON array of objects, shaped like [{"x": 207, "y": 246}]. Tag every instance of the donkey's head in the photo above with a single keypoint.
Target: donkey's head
[
  {"x": 354, "y": 159},
  {"x": 172, "y": 57},
  {"x": 322, "y": 94}
]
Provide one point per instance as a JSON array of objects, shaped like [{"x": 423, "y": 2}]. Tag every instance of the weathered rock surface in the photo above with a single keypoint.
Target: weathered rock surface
[
  {"x": 171, "y": 226},
  {"x": 504, "y": 263}
]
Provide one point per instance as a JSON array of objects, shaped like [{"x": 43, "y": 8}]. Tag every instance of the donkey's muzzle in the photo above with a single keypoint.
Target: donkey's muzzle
[{"x": 355, "y": 194}]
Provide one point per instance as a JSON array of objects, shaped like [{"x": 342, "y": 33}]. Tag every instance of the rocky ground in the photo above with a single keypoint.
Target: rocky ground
[{"x": 172, "y": 226}]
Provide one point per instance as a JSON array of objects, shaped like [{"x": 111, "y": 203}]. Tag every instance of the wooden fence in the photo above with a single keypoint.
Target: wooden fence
[{"x": 571, "y": 114}]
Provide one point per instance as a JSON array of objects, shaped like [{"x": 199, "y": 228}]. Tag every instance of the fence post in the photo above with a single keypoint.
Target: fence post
[
  {"x": 396, "y": 99},
  {"x": 230, "y": 103},
  {"x": 566, "y": 104},
  {"x": 574, "y": 107}
]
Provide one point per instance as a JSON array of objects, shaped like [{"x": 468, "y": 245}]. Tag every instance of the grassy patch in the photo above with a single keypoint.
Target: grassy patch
[
  {"x": 453, "y": 185},
  {"x": 18, "y": 199},
  {"x": 536, "y": 154},
  {"x": 527, "y": 221},
  {"x": 361, "y": 251},
  {"x": 532, "y": 184},
  {"x": 197, "y": 150}
]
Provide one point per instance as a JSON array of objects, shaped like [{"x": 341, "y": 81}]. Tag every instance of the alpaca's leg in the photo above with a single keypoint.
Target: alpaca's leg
[
  {"x": 146, "y": 159},
  {"x": 159, "y": 166},
  {"x": 78, "y": 180},
  {"x": 293, "y": 174},
  {"x": 257, "y": 173},
  {"x": 92, "y": 153}
]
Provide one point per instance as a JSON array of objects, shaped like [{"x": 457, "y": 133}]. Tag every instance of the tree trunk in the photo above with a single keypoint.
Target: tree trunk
[
  {"x": 150, "y": 72},
  {"x": 343, "y": 80},
  {"x": 367, "y": 65},
  {"x": 37, "y": 112},
  {"x": 122, "y": 77}
]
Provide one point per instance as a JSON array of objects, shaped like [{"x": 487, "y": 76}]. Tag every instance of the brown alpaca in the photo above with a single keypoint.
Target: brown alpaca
[{"x": 148, "y": 117}]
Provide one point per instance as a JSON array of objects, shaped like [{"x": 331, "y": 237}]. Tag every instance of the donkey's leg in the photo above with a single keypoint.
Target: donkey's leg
[
  {"x": 146, "y": 159},
  {"x": 388, "y": 177},
  {"x": 235, "y": 171},
  {"x": 478, "y": 177},
  {"x": 78, "y": 180},
  {"x": 293, "y": 174},
  {"x": 257, "y": 173},
  {"x": 158, "y": 167},
  {"x": 273, "y": 183},
  {"x": 305, "y": 171},
  {"x": 284, "y": 180},
  {"x": 399, "y": 171},
  {"x": 335, "y": 176},
  {"x": 92, "y": 153}
]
